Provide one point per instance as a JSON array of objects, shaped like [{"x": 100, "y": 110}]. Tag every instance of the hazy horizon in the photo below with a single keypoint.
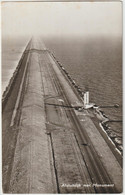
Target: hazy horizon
[{"x": 60, "y": 19}]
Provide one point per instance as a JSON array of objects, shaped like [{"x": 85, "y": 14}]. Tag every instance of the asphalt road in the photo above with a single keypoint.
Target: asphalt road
[{"x": 58, "y": 146}]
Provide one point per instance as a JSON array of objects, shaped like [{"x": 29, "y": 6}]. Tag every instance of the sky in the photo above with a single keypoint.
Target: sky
[{"x": 62, "y": 18}]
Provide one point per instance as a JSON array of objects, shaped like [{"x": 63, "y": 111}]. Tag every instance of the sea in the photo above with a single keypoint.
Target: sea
[
  {"x": 95, "y": 63},
  {"x": 12, "y": 49}
]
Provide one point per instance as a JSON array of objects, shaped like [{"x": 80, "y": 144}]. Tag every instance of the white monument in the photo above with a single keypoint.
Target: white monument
[{"x": 86, "y": 101}]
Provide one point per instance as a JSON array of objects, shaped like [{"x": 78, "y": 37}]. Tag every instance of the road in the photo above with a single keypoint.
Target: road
[{"x": 49, "y": 148}]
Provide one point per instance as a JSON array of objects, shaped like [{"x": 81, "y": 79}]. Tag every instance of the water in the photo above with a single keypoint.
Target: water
[
  {"x": 12, "y": 49},
  {"x": 94, "y": 63}
]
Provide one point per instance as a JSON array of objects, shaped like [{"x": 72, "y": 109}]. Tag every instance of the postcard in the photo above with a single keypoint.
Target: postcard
[{"x": 62, "y": 97}]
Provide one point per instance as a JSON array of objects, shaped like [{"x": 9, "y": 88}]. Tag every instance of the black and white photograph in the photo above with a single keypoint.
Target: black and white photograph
[{"x": 62, "y": 115}]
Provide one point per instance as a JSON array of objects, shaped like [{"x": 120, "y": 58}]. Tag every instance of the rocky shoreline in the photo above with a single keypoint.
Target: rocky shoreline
[{"x": 103, "y": 122}]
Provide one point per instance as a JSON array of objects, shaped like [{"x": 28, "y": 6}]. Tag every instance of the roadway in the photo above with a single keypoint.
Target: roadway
[{"x": 49, "y": 148}]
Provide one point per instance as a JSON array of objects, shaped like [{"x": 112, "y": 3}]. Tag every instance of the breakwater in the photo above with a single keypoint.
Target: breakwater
[
  {"x": 103, "y": 120},
  {"x": 59, "y": 146}
]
